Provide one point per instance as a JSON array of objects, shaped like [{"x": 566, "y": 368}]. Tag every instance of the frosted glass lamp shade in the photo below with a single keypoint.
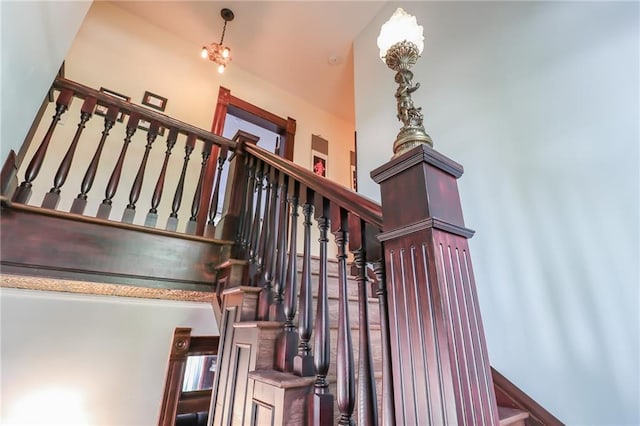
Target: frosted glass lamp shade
[{"x": 400, "y": 27}]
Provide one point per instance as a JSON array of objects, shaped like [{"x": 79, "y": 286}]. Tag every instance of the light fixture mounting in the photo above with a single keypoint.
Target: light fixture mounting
[{"x": 218, "y": 52}]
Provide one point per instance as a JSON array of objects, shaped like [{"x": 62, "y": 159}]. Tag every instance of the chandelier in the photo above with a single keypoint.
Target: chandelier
[{"x": 218, "y": 52}]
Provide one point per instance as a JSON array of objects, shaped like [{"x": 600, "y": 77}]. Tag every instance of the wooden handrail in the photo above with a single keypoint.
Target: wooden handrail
[
  {"x": 82, "y": 91},
  {"x": 365, "y": 208}
]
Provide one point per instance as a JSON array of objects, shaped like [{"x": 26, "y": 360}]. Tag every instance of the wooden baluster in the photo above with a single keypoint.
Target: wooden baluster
[
  {"x": 280, "y": 275},
  {"x": 303, "y": 362},
  {"x": 52, "y": 198},
  {"x": 270, "y": 256},
  {"x": 258, "y": 277},
  {"x": 172, "y": 222},
  {"x": 195, "y": 205},
  {"x": 388, "y": 407},
  {"x": 346, "y": 379},
  {"x": 289, "y": 344},
  {"x": 23, "y": 193},
  {"x": 130, "y": 212},
  {"x": 80, "y": 202},
  {"x": 210, "y": 229},
  {"x": 321, "y": 401},
  {"x": 247, "y": 213},
  {"x": 255, "y": 225},
  {"x": 105, "y": 208},
  {"x": 152, "y": 216},
  {"x": 367, "y": 402}
]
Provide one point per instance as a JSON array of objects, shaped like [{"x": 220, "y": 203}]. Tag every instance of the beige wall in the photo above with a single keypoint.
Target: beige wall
[{"x": 119, "y": 51}]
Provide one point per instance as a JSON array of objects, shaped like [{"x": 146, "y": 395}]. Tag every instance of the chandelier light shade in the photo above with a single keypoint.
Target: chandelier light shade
[
  {"x": 218, "y": 53},
  {"x": 401, "y": 42}
]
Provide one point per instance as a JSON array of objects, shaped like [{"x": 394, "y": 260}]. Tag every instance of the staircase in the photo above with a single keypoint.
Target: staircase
[{"x": 392, "y": 336}]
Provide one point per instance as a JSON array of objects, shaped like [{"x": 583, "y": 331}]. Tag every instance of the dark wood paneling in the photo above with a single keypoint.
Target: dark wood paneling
[{"x": 53, "y": 244}]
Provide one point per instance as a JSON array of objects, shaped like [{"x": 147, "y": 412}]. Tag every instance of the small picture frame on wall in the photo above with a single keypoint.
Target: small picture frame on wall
[
  {"x": 154, "y": 101},
  {"x": 102, "y": 110},
  {"x": 319, "y": 163}
]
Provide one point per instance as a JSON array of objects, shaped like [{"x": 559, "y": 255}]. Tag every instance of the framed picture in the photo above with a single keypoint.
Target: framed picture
[
  {"x": 319, "y": 163},
  {"x": 154, "y": 101},
  {"x": 102, "y": 110},
  {"x": 146, "y": 125}
]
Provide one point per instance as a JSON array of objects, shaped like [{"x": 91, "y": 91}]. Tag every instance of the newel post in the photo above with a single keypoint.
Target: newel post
[
  {"x": 235, "y": 193},
  {"x": 441, "y": 371}
]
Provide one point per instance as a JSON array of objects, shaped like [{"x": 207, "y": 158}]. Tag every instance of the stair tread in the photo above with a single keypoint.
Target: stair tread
[{"x": 510, "y": 415}]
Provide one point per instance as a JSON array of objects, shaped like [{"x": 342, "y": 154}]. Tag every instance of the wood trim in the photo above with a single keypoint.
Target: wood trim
[{"x": 509, "y": 395}]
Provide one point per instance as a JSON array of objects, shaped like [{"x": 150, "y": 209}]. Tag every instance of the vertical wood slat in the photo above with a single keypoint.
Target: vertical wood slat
[
  {"x": 80, "y": 202},
  {"x": 152, "y": 215},
  {"x": 247, "y": 213},
  {"x": 321, "y": 401},
  {"x": 346, "y": 388},
  {"x": 195, "y": 205},
  {"x": 104, "y": 210},
  {"x": 258, "y": 276},
  {"x": 136, "y": 188},
  {"x": 388, "y": 407},
  {"x": 172, "y": 221},
  {"x": 289, "y": 344},
  {"x": 210, "y": 228},
  {"x": 367, "y": 401},
  {"x": 280, "y": 275},
  {"x": 23, "y": 194},
  {"x": 303, "y": 361},
  {"x": 52, "y": 198},
  {"x": 254, "y": 237}
]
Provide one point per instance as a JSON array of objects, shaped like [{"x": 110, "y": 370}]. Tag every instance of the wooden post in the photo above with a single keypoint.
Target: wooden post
[{"x": 441, "y": 371}]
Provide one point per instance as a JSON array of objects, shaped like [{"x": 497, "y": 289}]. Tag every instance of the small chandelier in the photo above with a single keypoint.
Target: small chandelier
[{"x": 218, "y": 52}]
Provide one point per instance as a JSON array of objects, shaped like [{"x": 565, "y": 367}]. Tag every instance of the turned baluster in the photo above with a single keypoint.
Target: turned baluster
[
  {"x": 80, "y": 202},
  {"x": 23, "y": 193},
  {"x": 195, "y": 205},
  {"x": 388, "y": 407},
  {"x": 136, "y": 188},
  {"x": 52, "y": 198},
  {"x": 247, "y": 211},
  {"x": 280, "y": 275},
  {"x": 257, "y": 279},
  {"x": 152, "y": 216},
  {"x": 367, "y": 402},
  {"x": 210, "y": 229},
  {"x": 303, "y": 361},
  {"x": 346, "y": 380},
  {"x": 289, "y": 344},
  {"x": 105, "y": 207},
  {"x": 269, "y": 256},
  {"x": 172, "y": 222},
  {"x": 321, "y": 401},
  {"x": 255, "y": 225}
]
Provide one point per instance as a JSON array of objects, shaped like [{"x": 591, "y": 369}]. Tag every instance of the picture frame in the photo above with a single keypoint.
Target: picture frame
[
  {"x": 319, "y": 163},
  {"x": 154, "y": 101},
  {"x": 102, "y": 110}
]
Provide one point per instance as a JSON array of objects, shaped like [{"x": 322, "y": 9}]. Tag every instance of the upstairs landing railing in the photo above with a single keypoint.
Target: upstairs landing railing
[{"x": 99, "y": 180}]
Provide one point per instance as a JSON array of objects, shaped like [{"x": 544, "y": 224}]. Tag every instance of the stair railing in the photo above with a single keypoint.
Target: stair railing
[
  {"x": 128, "y": 172},
  {"x": 266, "y": 229}
]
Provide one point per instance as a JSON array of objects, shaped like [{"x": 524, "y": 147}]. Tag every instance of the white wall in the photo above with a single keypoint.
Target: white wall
[
  {"x": 36, "y": 36},
  {"x": 120, "y": 51},
  {"x": 98, "y": 356},
  {"x": 539, "y": 102}
]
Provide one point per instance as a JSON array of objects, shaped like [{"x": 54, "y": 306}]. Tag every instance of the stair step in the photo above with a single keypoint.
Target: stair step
[{"x": 512, "y": 416}]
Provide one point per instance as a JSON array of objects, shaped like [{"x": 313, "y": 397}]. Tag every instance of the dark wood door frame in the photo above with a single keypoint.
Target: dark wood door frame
[{"x": 229, "y": 104}]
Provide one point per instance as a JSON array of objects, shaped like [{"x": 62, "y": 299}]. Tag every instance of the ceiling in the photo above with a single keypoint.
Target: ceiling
[{"x": 303, "y": 47}]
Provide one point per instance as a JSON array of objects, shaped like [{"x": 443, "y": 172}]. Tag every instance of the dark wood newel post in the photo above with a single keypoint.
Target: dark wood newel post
[
  {"x": 237, "y": 183},
  {"x": 441, "y": 372}
]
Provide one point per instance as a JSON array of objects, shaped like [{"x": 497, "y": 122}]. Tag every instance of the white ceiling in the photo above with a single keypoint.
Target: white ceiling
[{"x": 287, "y": 43}]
